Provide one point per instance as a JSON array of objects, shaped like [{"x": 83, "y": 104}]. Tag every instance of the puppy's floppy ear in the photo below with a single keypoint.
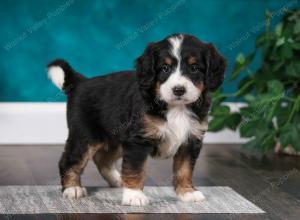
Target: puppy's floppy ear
[
  {"x": 145, "y": 69},
  {"x": 216, "y": 66}
]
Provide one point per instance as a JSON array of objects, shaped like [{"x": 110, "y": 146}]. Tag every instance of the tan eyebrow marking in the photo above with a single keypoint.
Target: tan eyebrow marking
[
  {"x": 192, "y": 60},
  {"x": 168, "y": 60}
]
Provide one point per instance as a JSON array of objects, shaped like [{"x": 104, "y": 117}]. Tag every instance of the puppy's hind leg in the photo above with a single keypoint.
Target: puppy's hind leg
[
  {"x": 71, "y": 165},
  {"x": 105, "y": 160}
]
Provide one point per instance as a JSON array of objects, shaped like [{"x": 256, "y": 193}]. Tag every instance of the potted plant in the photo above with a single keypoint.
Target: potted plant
[{"x": 270, "y": 118}]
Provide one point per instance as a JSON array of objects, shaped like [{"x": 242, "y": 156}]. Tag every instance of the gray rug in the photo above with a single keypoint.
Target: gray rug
[{"x": 48, "y": 199}]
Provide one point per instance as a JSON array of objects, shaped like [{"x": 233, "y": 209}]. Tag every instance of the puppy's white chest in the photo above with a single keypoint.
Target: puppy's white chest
[{"x": 175, "y": 131}]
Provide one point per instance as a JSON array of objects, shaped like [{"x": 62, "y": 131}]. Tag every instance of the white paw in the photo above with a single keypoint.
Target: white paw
[
  {"x": 112, "y": 176},
  {"x": 134, "y": 197},
  {"x": 195, "y": 196},
  {"x": 74, "y": 192}
]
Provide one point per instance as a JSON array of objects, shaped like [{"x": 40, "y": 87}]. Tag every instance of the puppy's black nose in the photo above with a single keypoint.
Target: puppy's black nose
[{"x": 179, "y": 90}]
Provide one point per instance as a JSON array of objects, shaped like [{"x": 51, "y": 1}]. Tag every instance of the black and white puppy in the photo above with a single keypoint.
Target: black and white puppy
[{"x": 160, "y": 109}]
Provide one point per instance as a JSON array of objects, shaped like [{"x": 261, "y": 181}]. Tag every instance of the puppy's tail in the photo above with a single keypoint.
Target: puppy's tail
[{"x": 63, "y": 75}]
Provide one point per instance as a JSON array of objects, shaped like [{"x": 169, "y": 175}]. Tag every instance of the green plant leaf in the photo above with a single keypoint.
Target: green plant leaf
[
  {"x": 224, "y": 119},
  {"x": 296, "y": 46},
  {"x": 261, "y": 40},
  {"x": 290, "y": 40},
  {"x": 221, "y": 110},
  {"x": 289, "y": 134},
  {"x": 293, "y": 69},
  {"x": 241, "y": 64},
  {"x": 233, "y": 121},
  {"x": 297, "y": 27},
  {"x": 262, "y": 76},
  {"x": 218, "y": 97},
  {"x": 286, "y": 51},
  {"x": 265, "y": 104},
  {"x": 280, "y": 41},
  {"x": 281, "y": 114},
  {"x": 275, "y": 87},
  {"x": 247, "y": 112},
  {"x": 278, "y": 29},
  {"x": 216, "y": 124},
  {"x": 267, "y": 142},
  {"x": 295, "y": 109},
  {"x": 297, "y": 67},
  {"x": 264, "y": 141},
  {"x": 240, "y": 59},
  {"x": 278, "y": 65},
  {"x": 249, "y": 127},
  {"x": 252, "y": 144},
  {"x": 249, "y": 98},
  {"x": 245, "y": 86}
]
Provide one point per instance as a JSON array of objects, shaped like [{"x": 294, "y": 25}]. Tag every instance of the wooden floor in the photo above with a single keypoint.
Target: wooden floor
[{"x": 271, "y": 182}]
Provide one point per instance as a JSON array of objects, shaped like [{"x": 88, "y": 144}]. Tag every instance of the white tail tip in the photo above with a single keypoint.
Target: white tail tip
[{"x": 57, "y": 75}]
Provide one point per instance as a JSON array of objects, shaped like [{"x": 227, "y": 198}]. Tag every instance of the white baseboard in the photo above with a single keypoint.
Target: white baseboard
[{"x": 45, "y": 123}]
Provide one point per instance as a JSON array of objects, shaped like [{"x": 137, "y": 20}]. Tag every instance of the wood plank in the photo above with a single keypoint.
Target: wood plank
[{"x": 247, "y": 173}]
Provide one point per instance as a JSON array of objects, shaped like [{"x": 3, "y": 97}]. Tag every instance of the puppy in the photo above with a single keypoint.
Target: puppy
[{"x": 159, "y": 109}]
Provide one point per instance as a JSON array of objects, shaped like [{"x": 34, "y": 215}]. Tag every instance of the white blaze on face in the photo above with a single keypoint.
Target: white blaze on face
[
  {"x": 177, "y": 79},
  {"x": 176, "y": 47}
]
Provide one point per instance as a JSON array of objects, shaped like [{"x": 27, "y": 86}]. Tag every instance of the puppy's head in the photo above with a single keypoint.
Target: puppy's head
[{"x": 178, "y": 69}]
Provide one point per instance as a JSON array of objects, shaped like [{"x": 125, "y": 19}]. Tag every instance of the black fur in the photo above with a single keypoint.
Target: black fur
[{"x": 216, "y": 68}]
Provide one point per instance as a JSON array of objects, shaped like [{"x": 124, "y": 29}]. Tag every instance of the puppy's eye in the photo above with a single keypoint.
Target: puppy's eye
[
  {"x": 195, "y": 68},
  {"x": 166, "y": 68}
]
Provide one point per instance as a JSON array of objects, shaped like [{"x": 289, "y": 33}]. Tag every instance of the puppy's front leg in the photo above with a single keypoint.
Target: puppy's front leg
[
  {"x": 133, "y": 174},
  {"x": 183, "y": 165}
]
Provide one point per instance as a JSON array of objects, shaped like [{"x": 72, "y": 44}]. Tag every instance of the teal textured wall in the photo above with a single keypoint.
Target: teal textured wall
[{"x": 98, "y": 37}]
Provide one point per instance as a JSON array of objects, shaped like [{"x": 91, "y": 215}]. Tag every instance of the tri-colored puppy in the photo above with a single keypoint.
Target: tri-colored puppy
[{"x": 159, "y": 109}]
